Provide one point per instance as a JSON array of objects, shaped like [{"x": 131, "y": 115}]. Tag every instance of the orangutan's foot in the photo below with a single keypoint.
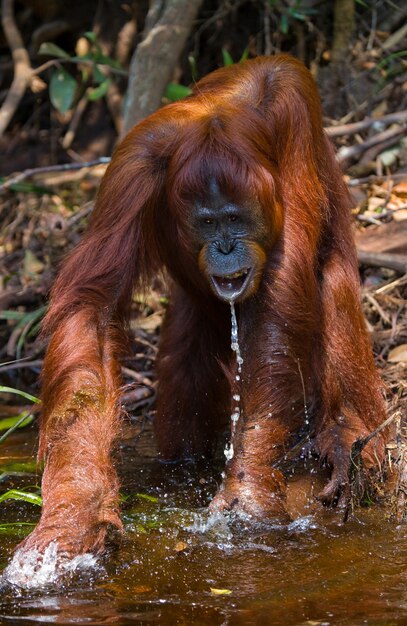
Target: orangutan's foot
[{"x": 249, "y": 499}]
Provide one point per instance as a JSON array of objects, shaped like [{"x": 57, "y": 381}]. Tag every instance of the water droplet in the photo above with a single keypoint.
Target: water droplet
[{"x": 229, "y": 452}]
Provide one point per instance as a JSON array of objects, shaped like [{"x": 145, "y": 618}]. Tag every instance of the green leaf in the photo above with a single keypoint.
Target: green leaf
[
  {"x": 7, "y": 525},
  {"x": 297, "y": 15},
  {"x": 62, "y": 89},
  {"x": 88, "y": 56},
  {"x": 176, "y": 92},
  {"x": 227, "y": 58},
  {"x": 145, "y": 496},
  {"x": 90, "y": 36},
  {"x": 26, "y": 187},
  {"x": 284, "y": 24},
  {"x": 24, "y": 496},
  {"x": 21, "y": 529},
  {"x": 98, "y": 76},
  {"x": 25, "y": 395},
  {"x": 10, "y": 422},
  {"x": 102, "y": 59},
  {"x": 391, "y": 57},
  {"x": 245, "y": 55},
  {"x": 20, "y": 420},
  {"x": 12, "y": 315},
  {"x": 32, "y": 316},
  {"x": 52, "y": 50},
  {"x": 21, "y": 466},
  {"x": 193, "y": 67},
  {"x": 98, "y": 92}
]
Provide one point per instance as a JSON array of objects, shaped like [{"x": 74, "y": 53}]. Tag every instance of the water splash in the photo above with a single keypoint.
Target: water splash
[
  {"x": 303, "y": 524},
  {"x": 229, "y": 449},
  {"x": 32, "y": 569},
  {"x": 206, "y": 522}
]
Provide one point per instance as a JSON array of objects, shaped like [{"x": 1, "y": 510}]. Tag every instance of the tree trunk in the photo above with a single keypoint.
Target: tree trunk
[{"x": 168, "y": 25}]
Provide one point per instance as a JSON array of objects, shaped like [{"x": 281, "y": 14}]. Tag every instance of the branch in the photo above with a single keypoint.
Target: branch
[
  {"x": 23, "y": 74},
  {"x": 374, "y": 178},
  {"x": 351, "y": 129},
  {"x": 397, "y": 262},
  {"x": 168, "y": 25},
  {"x": 64, "y": 167},
  {"x": 390, "y": 136}
]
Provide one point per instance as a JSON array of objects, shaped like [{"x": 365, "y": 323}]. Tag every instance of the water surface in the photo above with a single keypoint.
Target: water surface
[{"x": 178, "y": 565}]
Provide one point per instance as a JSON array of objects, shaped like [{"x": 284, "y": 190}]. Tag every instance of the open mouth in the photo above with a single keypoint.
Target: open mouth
[{"x": 231, "y": 286}]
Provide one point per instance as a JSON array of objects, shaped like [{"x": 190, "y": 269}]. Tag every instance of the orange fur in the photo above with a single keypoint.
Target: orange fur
[{"x": 256, "y": 129}]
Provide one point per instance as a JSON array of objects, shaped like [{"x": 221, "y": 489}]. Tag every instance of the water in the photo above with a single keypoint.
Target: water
[
  {"x": 235, "y": 340},
  {"x": 178, "y": 565},
  {"x": 229, "y": 448}
]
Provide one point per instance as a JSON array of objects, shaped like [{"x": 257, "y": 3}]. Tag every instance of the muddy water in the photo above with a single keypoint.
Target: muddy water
[{"x": 176, "y": 565}]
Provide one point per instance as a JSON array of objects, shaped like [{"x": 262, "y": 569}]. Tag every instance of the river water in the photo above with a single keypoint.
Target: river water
[{"x": 178, "y": 565}]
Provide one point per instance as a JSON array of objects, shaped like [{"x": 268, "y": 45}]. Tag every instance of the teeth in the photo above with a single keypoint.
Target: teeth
[
  {"x": 231, "y": 282},
  {"x": 237, "y": 274}
]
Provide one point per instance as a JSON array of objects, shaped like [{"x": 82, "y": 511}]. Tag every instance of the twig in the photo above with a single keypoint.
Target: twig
[
  {"x": 368, "y": 219},
  {"x": 84, "y": 212},
  {"x": 139, "y": 378},
  {"x": 349, "y": 152},
  {"x": 139, "y": 396},
  {"x": 23, "y": 74},
  {"x": 22, "y": 66},
  {"x": 356, "y": 127},
  {"x": 362, "y": 442},
  {"x": 147, "y": 344},
  {"x": 73, "y": 126},
  {"x": 372, "y": 153},
  {"x": 355, "y": 462},
  {"x": 395, "y": 38},
  {"x": 399, "y": 282},
  {"x": 114, "y": 101},
  {"x": 378, "y": 308},
  {"x": 374, "y": 178},
  {"x": 384, "y": 214},
  {"x": 17, "y": 366},
  {"x": 64, "y": 167},
  {"x": 56, "y": 62}
]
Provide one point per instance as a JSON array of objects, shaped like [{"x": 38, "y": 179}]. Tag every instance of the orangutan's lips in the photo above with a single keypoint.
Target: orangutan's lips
[{"x": 231, "y": 286}]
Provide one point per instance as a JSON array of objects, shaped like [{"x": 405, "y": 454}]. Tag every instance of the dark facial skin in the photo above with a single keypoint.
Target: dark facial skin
[{"x": 231, "y": 240}]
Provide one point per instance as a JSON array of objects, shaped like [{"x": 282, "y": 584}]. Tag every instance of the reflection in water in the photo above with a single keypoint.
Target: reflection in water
[{"x": 315, "y": 571}]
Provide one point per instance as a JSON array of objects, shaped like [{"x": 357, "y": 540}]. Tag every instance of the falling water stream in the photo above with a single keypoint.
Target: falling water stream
[{"x": 229, "y": 448}]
